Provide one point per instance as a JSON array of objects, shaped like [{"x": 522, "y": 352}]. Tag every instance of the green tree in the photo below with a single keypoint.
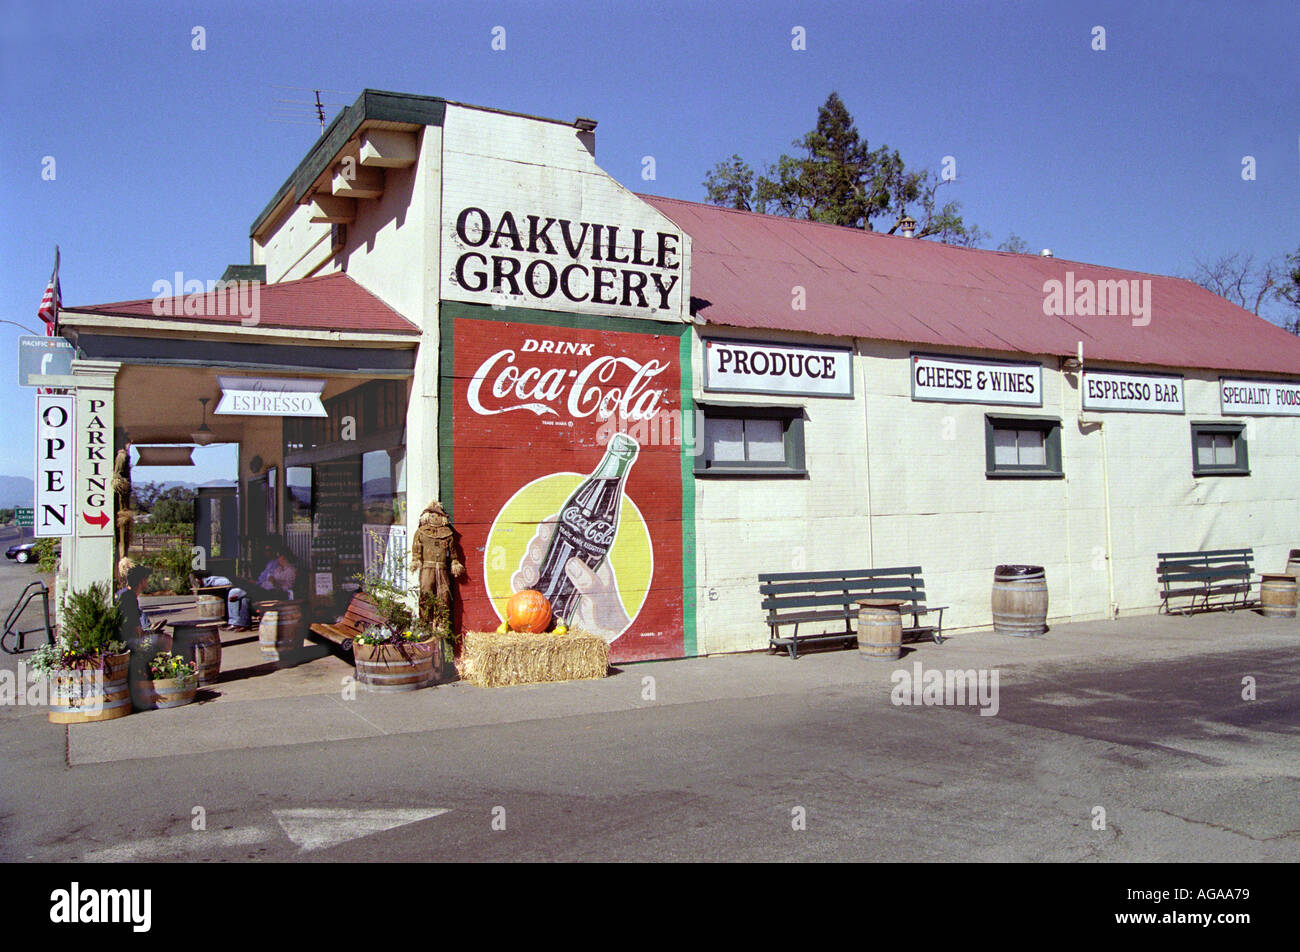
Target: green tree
[
  {"x": 837, "y": 178},
  {"x": 174, "y": 507}
]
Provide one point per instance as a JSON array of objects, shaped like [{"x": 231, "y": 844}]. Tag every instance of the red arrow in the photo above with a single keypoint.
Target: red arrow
[{"x": 101, "y": 520}]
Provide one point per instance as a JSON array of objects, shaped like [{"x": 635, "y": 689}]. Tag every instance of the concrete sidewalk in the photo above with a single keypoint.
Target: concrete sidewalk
[{"x": 260, "y": 706}]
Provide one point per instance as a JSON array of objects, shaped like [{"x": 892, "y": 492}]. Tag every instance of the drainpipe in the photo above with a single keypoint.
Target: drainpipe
[
  {"x": 866, "y": 447},
  {"x": 1105, "y": 489}
]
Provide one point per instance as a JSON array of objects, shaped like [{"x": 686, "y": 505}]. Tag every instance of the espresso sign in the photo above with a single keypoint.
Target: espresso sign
[
  {"x": 1137, "y": 393},
  {"x": 954, "y": 380},
  {"x": 746, "y": 367},
  {"x": 1259, "y": 397},
  {"x": 269, "y": 396}
]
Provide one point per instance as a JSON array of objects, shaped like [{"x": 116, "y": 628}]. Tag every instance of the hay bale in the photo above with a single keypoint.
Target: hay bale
[{"x": 490, "y": 660}]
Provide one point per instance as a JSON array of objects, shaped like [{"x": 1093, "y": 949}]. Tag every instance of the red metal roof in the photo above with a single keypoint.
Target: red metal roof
[
  {"x": 331, "y": 302},
  {"x": 744, "y": 267}
]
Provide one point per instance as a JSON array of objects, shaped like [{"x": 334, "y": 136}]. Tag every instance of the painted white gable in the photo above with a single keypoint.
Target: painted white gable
[{"x": 530, "y": 220}]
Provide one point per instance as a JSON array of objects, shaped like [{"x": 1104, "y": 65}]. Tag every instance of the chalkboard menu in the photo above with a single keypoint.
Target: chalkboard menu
[{"x": 336, "y": 529}]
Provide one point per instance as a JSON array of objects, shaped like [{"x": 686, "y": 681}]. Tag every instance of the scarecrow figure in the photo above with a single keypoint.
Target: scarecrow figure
[
  {"x": 121, "y": 484},
  {"x": 433, "y": 549}
]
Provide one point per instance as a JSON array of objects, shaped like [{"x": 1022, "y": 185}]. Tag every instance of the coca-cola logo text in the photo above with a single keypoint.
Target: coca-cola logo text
[
  {"x": 602, "y": 387},
  {"x": 596, "y": 531}
]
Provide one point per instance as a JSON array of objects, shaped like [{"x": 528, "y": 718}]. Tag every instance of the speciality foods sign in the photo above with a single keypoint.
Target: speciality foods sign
[
  {"x": 566, "y": 477},
  {"x": 1259, "y": 397},
  {"x": 955, "y": 380},
  {"x": 793, "y": 369},
  {"x": 1138, "y": 393}
]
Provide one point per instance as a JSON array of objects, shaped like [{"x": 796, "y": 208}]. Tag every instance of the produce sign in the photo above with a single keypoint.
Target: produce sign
[
  {"x": 751, "y": 367},
  {"x": 567, "y": 477}
]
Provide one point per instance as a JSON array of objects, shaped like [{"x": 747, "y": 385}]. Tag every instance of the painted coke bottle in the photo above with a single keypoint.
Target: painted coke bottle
[{"x": 587, "y": 525}]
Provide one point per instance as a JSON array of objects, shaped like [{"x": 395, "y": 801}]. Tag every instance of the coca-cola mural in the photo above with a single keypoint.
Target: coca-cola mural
[{"x": 561, "y": 482}]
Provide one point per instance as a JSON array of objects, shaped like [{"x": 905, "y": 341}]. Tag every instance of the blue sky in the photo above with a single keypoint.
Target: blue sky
[{"x": 1131, "y": 156}]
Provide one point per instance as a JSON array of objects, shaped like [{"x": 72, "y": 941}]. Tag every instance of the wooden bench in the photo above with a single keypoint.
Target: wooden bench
[
  {"x": 361, "y": 614},
  {"x": 795, "y": 598},
  {"x": 1213, "y": 573}
]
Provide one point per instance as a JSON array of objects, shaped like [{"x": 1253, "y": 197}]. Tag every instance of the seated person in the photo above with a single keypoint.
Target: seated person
[
  {"x": 143, "y": 643},
  {"x": 278, "y": 578},
  {"x": 239, "y": 613}
]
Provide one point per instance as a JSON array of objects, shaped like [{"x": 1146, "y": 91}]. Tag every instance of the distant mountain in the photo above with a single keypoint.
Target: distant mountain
[{"x": 16, "y": 491}]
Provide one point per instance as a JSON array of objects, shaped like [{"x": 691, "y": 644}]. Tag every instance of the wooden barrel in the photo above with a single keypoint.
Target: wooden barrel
[
  {"x": 199, "y": 643},
  {"x": 165, "y": 693},
  {"x": 78, "y": 697},
  {"x": 1020, "y": 600},
  {"x": 280, "y": 631},
  {"x": 210, "y": 606},
  {"x": 1293, "y": 563},
  {"x": 387, "y": 668},
  {"x": 1277, "y": 596},
  {"x": 880, "y": 629}
]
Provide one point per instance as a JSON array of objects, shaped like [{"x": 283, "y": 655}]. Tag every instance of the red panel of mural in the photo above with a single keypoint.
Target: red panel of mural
[{"x": 567, "y": 475}]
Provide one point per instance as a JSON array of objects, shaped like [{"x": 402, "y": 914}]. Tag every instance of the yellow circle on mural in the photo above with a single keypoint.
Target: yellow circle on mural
[{"x": 631, "y": 557}]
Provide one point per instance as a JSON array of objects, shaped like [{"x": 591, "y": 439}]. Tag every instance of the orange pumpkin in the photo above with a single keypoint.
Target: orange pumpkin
[{"x": 528, "y": 611}]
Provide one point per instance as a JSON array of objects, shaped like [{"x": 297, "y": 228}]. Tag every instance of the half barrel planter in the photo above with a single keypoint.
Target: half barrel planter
[
  {"x": 1277, "y": 596},
  {"x": 1020, "y": 600},
  {"x": 880, "y": 629},
  {"x": 199, "y": 643},
  {"x": 280, "y": 631},
  {"x": 385, "y": 669},
  {"x": 164, "y": 693},
  {"x": 85, "y": 695}
]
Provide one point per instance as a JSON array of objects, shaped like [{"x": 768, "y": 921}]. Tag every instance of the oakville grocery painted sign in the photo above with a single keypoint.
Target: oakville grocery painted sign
[
  {"x": 1259, "y": 397},
  {"x": 270, "y": 396},
  {"x": 1137, "y": 393},
  {"x": 531, "y": 257},
  {"x": 959, "y": 380},
  {"x": 732, "y": 366}
]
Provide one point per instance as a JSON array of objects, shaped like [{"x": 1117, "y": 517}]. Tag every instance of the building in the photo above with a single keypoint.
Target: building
[{"x": 461, "y": 305}]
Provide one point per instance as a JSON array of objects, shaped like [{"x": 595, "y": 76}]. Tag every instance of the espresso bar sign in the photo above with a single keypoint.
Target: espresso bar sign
[
  {"x": 955, "y": 380},
  {"x": 1138, "y": 393},
  {"x": 1259, "y": 397},
  {"x": 269, "y": 396},
  {"x": 747, "y": 367},
  {"x": 544, "y": 258}
]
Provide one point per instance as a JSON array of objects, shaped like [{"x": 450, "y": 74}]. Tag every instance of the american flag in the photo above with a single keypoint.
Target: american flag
[{"x": 49, "y": 311}]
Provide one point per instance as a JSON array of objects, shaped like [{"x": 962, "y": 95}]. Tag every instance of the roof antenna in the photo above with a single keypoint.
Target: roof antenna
[{"x": 320, "y": 110}]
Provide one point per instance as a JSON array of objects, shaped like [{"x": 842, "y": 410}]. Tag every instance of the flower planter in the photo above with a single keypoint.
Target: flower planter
[
  {"x": 166, "y": 692},
  {"x": 405, "y": 667},
  {"x": 83, "y": 695}
]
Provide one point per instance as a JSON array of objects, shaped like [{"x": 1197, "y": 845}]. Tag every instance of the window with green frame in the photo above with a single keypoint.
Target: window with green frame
[
  {"x": 750, "y": 441},
  {"x": 1022, "y": 446},
  {"x": 1219, "y": 449}
]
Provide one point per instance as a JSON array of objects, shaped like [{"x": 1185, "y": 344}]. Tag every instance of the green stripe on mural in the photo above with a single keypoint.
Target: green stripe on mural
[
  {"x": 446, "y": 366},
  {"x": 689, "y": 639}
]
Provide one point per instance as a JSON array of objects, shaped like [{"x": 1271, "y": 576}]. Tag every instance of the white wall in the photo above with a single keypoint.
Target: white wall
[{"x": 930, "y": 502}]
